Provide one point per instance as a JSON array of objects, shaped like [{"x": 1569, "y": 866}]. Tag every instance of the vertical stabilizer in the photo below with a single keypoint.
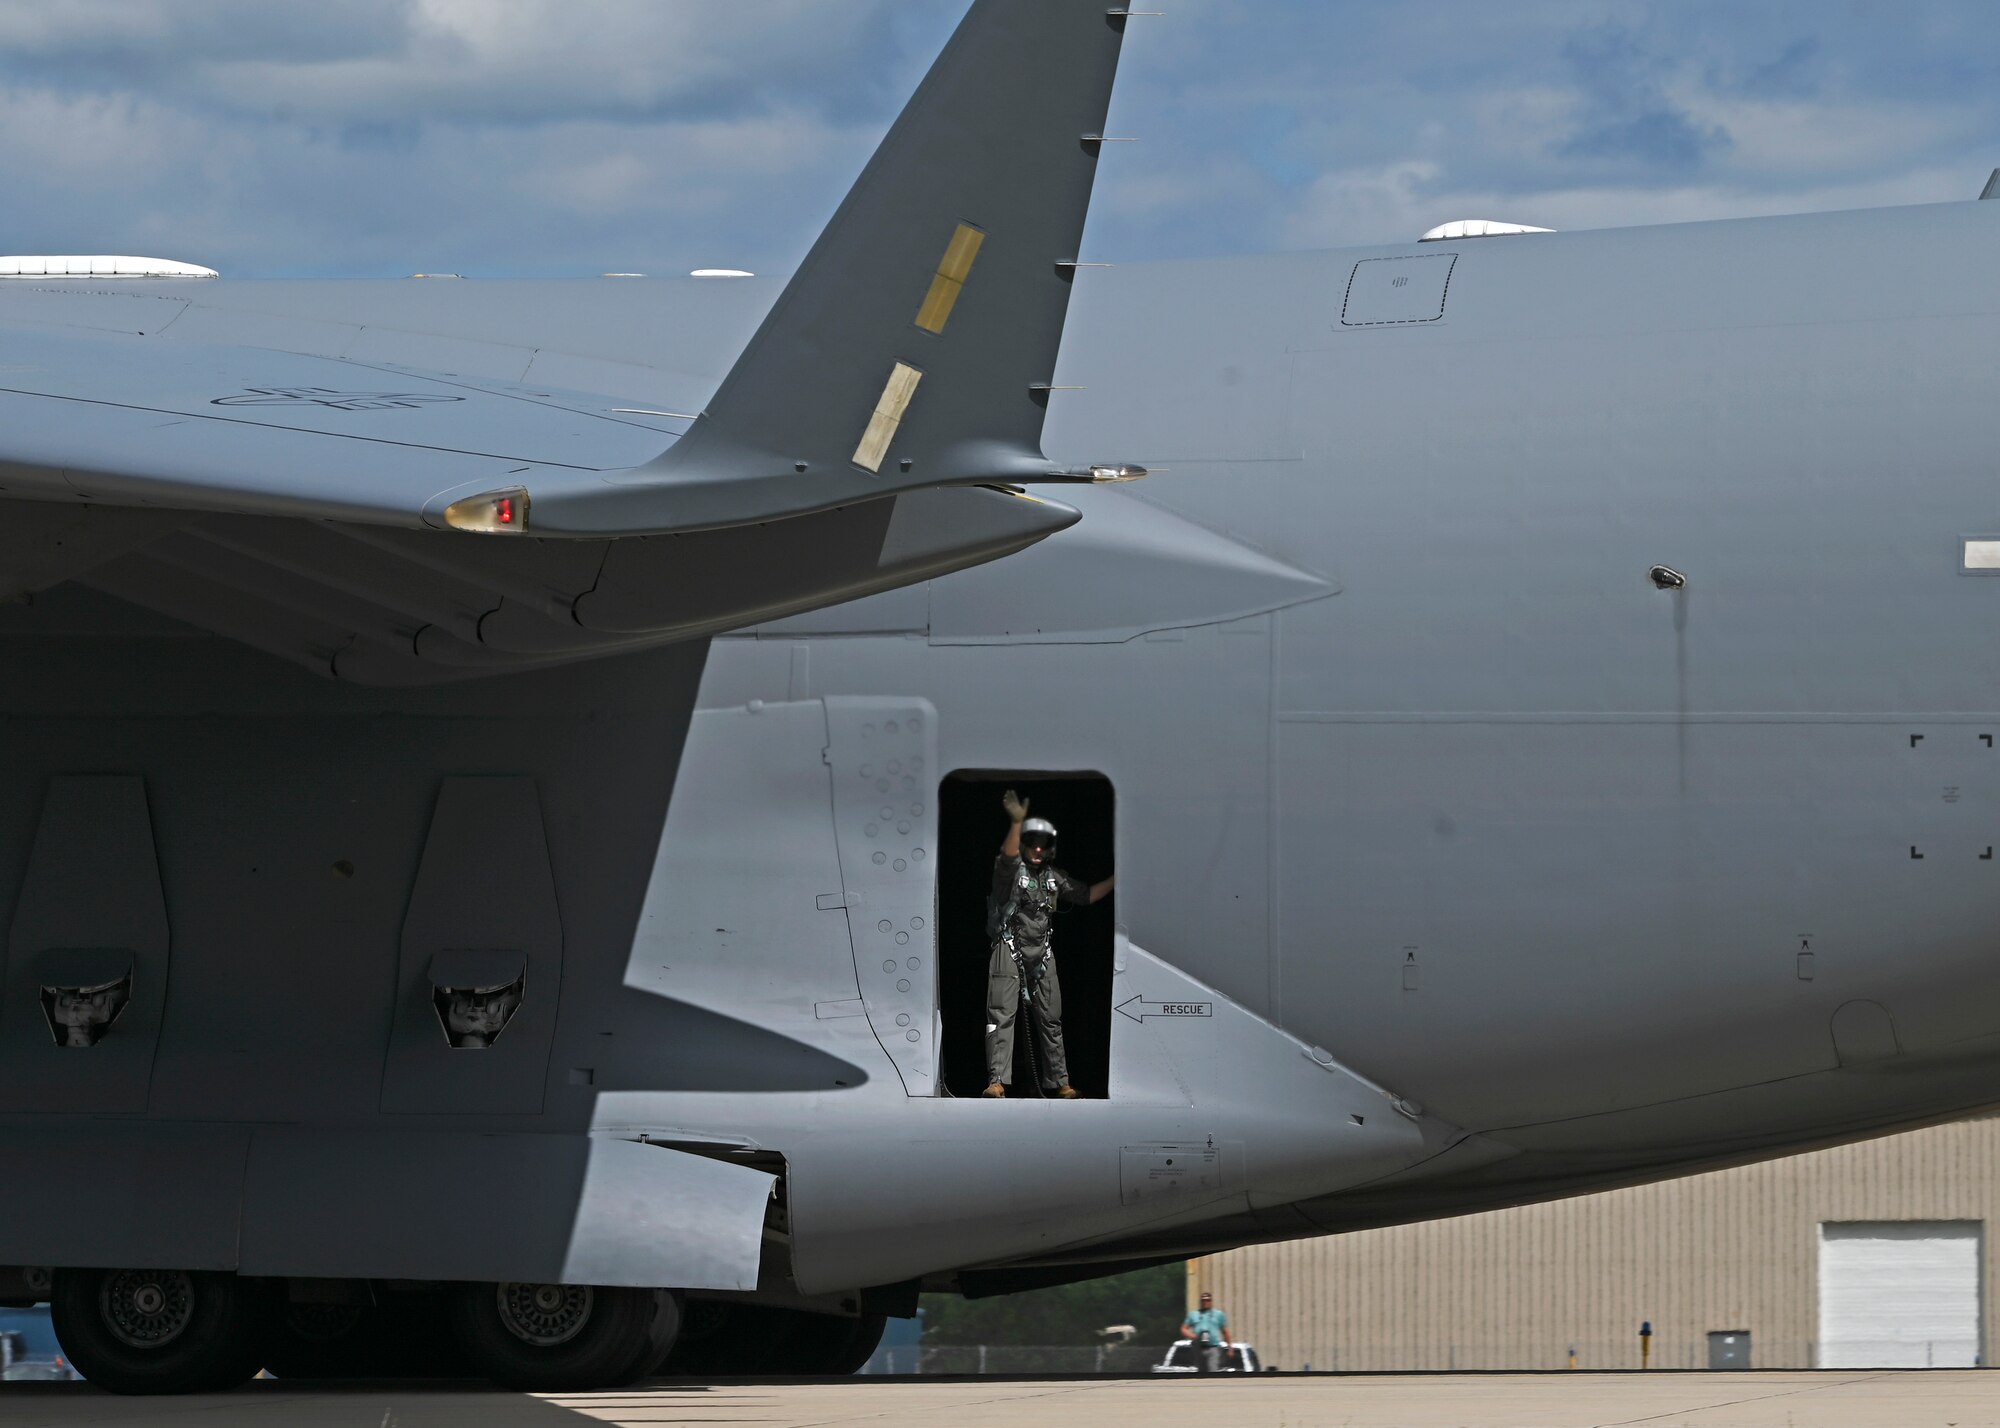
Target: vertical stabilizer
[{"x": 906, "y": 350}]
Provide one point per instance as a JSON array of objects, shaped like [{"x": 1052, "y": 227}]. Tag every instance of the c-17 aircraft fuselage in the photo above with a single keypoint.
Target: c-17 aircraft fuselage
[{"x": 1543, "y": 691}]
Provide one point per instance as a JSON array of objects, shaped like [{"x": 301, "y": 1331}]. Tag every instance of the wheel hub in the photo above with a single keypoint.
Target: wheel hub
[
  {"x": 147, "y": 1308},
  {"x": 544, "y": 1314}
]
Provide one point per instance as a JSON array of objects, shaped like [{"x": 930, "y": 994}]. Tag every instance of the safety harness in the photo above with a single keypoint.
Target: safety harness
[{"x": 1041, "y": 890}]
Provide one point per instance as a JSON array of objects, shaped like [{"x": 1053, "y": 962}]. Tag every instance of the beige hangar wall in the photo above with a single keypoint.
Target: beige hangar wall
[{"x": 1734, "y": 1249}]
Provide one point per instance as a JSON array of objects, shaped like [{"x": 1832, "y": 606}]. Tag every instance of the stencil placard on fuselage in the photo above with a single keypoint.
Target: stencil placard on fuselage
[
  {"x": 1385, "y": 291},
  {"x": 1148, "y": 1172}
]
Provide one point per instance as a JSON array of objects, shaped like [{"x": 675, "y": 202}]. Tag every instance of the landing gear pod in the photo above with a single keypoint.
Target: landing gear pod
[
  {"x": 160, "y": 1330},
  {"x": 557, "y": 1338}
]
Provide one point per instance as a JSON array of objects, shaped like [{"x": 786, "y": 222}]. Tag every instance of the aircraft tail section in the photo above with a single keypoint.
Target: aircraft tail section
[{"x": 908, "y": 348}]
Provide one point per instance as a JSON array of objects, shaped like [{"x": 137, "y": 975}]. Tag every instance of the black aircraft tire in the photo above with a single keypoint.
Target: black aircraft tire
[
  {"x": 661, "y": 1336},
  {"x": 727, "y": 1340},
  {"x": 538, "y": 1338},
  {"x": 401, "y": 1337},
  {"x": 323, "y": 1341},
  {"x": 704, "y": 1344},
  {"x": 160, "y": 1331},
  {"x": 832, "y": 1347}
]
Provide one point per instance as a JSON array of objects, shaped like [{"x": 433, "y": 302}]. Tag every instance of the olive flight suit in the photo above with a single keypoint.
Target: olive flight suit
[{"x": 1024, "y": 930}]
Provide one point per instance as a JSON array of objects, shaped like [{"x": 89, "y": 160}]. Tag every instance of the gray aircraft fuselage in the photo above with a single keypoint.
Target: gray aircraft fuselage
[{"x": 1500, "y": 871}]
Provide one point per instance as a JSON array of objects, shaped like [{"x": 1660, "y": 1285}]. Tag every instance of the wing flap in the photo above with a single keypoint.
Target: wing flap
[{"x": 374, "y": 606}]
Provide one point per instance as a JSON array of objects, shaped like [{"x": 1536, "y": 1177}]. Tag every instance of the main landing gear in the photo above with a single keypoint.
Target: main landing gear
[
  {"x": 189, "y": 1331},
  {"x": 160, "y": 1330},
  {"x": 552, "y": 1338},
  {"x": 536, "y": 1337}
]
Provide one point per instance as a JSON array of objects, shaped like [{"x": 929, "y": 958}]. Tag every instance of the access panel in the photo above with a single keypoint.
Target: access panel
[{"x": 1386, "y": 291}]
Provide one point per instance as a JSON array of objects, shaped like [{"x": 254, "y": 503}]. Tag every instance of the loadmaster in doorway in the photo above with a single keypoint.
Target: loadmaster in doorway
[{"x": 1021, "y": 978}]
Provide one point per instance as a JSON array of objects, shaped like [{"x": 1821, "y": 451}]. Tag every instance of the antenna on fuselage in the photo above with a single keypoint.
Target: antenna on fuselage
[{"x": 1992, "y": 189}]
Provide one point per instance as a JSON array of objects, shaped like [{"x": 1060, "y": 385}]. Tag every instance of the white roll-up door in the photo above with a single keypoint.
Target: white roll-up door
[{"x": 1899, "y": 1294}]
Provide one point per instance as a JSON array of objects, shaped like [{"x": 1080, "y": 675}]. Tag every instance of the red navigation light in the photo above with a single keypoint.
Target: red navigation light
[{"x": 503, "y": 512}]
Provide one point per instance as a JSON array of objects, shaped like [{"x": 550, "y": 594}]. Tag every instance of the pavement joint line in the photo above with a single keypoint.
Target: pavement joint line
[
  {"x": 1855, "y": 1398},
  {"x": 1747, "y": 1398},
  {"x": 1052, "y": 1391}
]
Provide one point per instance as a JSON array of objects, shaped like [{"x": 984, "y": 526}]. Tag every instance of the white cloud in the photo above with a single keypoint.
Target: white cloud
[
  {"x": 1801, "y": 136},
  {"x": 1392, "y": 205},
  {"x": 564, "y": 136},
  {"x": 377, "y": 61},
  {"x": 605, "y": 169},
  {"x": 1372, "y": 205},
  {"x": 475, "y": 135},
  {"x": 90, "y": 141}
]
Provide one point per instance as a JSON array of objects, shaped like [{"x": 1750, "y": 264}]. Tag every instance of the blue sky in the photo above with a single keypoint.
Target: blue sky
[{"x": 570, "y": 137}]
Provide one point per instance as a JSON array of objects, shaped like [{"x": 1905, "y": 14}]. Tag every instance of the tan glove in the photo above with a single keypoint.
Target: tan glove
[{"x": 1016, "y": 806}]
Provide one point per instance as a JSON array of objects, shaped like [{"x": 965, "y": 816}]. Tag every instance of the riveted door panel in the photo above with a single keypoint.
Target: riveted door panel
[{"x": 883, "y": 754}]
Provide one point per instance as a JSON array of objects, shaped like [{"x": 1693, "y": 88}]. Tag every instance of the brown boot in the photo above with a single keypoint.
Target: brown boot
[
  {"x": 1066, "y": 1091},
  {"x": 996, "y": 1091}
]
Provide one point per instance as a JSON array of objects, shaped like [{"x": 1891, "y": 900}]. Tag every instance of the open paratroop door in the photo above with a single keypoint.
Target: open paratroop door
[
  {"x": 795, "y": 883},
  {"x": 882, "y": 754}
]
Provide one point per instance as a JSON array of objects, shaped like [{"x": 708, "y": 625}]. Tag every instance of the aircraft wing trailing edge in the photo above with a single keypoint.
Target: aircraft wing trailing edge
[{"x": 903, "y": 368}]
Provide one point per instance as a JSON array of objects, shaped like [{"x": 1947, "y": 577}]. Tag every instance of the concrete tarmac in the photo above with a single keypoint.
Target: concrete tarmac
[{"x": 1945, "y": 1398}]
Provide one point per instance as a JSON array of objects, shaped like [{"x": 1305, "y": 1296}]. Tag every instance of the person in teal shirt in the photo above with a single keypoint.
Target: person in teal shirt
[{"x": 1208, "y": 1327}]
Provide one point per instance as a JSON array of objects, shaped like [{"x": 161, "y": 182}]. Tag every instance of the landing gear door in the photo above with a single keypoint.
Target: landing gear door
[{"x": 882, "y": 754}]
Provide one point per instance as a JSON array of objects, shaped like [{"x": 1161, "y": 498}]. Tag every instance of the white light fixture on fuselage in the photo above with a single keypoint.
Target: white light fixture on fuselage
[
  {"x": 98, "y": 265},
  {"x": 1477, "y": 228}
]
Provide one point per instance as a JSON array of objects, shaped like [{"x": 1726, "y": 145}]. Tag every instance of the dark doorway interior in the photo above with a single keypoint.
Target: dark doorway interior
[{"x": 971, "y": 827}]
